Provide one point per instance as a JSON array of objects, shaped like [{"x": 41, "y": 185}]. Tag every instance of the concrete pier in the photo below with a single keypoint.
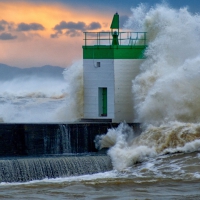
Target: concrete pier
[{"x": 46, "y": 139}]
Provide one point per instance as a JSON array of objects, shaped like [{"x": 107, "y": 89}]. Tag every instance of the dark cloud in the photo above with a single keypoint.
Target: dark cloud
[
  {"x": 3, "y": 22},
  {"x": 74, "y": 29},
  {"x": 30, "y": 27},
  {"x": 73, "y": 33},
  {"x": 2, "y": 28},
  {"x": 70, "y": 25},
  {"x": 122, "y": 20},
  {"x": 3, "y": 25},
  {"x": 10, "y": 30},
  {"x": 7, "y": 36},
  {"x": 93, "y": 26},
  {"x": 54, "y": 35}
]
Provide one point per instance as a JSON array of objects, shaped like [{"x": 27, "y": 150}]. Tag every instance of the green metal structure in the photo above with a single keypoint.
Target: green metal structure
[
  {"x": 115, "y": 22},
  {"x": 114, "y": 44}
]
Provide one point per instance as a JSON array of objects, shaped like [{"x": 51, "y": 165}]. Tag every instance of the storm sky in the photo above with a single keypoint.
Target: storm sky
[{"x": 34, "y": 33}]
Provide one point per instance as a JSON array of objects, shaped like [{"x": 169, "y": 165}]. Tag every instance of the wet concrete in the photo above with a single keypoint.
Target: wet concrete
[{"x": 45, "y": 139}]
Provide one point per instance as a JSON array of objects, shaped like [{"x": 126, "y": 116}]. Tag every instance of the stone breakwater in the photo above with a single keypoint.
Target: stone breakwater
[{"x": 45, "y": 139}]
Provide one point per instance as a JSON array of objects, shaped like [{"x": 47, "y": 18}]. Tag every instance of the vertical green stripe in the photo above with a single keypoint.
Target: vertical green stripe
[{"x": 104, "y": 95}]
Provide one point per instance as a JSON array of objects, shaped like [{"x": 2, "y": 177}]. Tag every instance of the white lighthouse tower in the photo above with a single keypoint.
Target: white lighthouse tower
[{"x": 110, "y": 62}]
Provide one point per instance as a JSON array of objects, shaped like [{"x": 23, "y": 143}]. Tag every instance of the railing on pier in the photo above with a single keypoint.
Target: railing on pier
[{"x": 124, "y": 38}]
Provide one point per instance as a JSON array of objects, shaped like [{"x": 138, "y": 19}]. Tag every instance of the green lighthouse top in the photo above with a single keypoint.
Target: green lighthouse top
[
  {"x": 114, "y": 44},
  {"x": 115, "y": 22},
  {"x": 115, "y": 26},
  {"x": 115, "y": 37}
]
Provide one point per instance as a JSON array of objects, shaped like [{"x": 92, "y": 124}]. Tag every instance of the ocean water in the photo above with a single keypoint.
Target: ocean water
[
  {"x": 42, "y": 99},
  {"x": 161, "y": 163}
]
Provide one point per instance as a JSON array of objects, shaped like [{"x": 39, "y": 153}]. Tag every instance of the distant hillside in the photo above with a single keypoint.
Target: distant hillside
[{"x": 8, "y": 72}]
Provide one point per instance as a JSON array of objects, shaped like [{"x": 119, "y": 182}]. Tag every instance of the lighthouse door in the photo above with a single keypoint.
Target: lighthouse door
[{"x": 102, "y": 102}]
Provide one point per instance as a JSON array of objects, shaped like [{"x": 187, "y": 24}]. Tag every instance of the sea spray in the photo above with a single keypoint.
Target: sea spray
[
  {"x": 38, "y": 99},
  {"x": 30, "y": 99},
  {"x": 126, "y": 150},
  {"x": 166, "y": 93},
  {"x": 167, "y": 87},
  {"x": 122, "y": 133},
  {"x": 73, "y": 108}
]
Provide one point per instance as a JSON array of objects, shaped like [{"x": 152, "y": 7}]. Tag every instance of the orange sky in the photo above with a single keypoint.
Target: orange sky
[{"x": 36, "y": 47}]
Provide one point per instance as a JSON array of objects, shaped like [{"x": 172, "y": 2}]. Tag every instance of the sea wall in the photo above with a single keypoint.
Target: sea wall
[
  {"x": 46, "y": 139},
  {"x": 23, "y": 169}
]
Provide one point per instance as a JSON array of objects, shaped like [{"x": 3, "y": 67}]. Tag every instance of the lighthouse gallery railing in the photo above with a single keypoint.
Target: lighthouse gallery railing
[{"x": 125, "y": 38}]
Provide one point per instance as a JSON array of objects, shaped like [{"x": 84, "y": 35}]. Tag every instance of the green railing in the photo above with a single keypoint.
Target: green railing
[{"x": 124, "y": 38}]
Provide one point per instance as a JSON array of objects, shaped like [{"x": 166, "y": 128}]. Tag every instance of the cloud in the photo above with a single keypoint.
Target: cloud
[
  {"x": 122, "y": 20},
  {"x": 56, "y": 35},
  {"x": 30, "y": 27},
  {"x": 3, "y": 25},
  {"x": 3, "y": 22},
  {"x": 2, "y": 28},
  {"x": 11, "y": 30},
  {"x": 70, "y": 25},
  {"x": 73, "y": 33},
  {"x": 74, "y": 29},
  {"x": 7, "y": 36},
  {"x": 93, "y": 26},
  {"x": 6, "y": 26}
]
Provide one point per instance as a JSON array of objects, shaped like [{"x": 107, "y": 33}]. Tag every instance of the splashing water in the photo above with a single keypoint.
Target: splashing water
[
  {"x": 166, "y": 92},
  {"x": 73, "y": 108},
  {"x": 42, "y": 99},
  {"x": 167, "y": 87},
  {"x": 126, "y": 150}
]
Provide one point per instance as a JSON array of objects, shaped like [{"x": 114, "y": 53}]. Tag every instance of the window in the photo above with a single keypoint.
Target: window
[{"x": 98, "y": 64}]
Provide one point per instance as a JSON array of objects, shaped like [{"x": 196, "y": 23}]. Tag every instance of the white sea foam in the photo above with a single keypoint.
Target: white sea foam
[
  {"x": 166, "y": 92},
  {"x": 167, "y": 89},
  {"x": 154, "y": 141},
  {"x": 48, "y": 99},
  {"x": 74, "y": 102},
  {"x": 98, "y": 177}
]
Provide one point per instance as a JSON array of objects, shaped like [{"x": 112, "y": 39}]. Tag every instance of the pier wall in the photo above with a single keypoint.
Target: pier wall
[{"x": 47, "y": 139}]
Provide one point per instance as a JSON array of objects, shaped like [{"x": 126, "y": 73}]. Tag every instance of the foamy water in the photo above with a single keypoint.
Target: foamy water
[
  {"x": 166, "y": 92},
  {"x": 167, "y": 87},
  {"x": 155, "y": 141},
  {"x": 36, "y": 99}
]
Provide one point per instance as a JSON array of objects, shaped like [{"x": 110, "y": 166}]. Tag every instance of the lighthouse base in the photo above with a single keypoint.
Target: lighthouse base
[{"x": 95, "y": 120}]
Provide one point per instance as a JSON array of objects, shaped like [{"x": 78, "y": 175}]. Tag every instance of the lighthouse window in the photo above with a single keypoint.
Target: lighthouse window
[{"x": 98, "y": 64}]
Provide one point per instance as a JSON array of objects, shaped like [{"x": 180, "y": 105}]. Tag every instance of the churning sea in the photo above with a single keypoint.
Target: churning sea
[
  {"x": 173, "y": 176},
  {"x": 161, "y": 163}
]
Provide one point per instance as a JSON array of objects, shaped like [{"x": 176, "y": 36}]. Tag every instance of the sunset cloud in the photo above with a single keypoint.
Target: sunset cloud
[
  {"x": 10, "y": 30},
  {"x": 74, "y": 28},
  {"x": 7, "y": 36},
  {"x": 93, "y": 26},
  {"x": 6, "y": 26},
  {"x": 30, "y": 27},
  {"x": 3, "y": 24}
]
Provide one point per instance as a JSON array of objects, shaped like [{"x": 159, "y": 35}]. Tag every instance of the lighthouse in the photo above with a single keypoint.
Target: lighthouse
[{"x": 111, "y": 61}]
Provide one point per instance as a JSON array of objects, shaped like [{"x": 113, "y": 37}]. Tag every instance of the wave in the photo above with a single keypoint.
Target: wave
[
  {"x": 167, "y": 87},
  {"x": 37, "y": 98},
  {"x": 166, "y": 92},
  {"x": 127, "y": 150}
]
